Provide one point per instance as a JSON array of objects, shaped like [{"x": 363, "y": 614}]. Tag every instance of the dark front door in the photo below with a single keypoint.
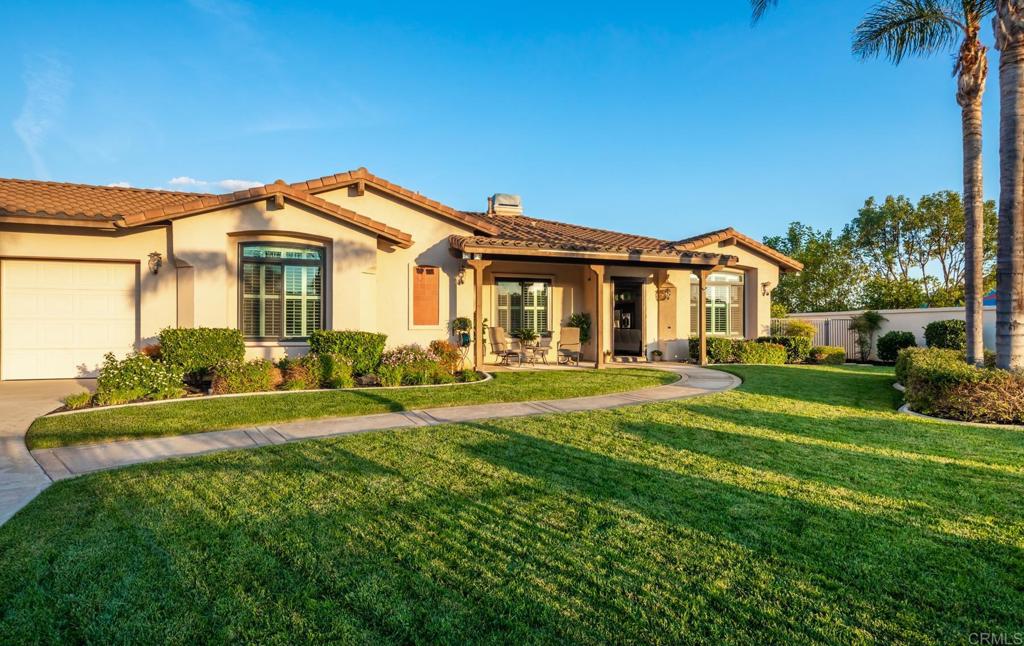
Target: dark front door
[{"x": 627, "y": 319}]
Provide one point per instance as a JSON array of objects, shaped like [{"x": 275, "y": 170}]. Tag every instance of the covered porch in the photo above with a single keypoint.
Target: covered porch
[{"x": 637, "y": 302}]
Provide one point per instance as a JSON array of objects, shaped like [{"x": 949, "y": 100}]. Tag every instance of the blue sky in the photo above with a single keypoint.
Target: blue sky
[{"x": 662, "y": 119}]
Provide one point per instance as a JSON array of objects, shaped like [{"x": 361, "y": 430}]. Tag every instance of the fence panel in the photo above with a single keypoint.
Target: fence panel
[{"x": 833, "y": 331}]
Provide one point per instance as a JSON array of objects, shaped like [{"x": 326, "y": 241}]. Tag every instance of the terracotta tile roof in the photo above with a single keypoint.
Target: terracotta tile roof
[
  {"x": 349, "y": 178},
  {"x": 206, "y": 203},
  {"x": 80, "y": 202},
  {"x": 520, "y": 232},
  {"x": 713, "y": 237}
]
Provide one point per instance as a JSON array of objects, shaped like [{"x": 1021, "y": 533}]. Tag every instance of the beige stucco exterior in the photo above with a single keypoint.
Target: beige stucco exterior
[{"x": 367, "y": 284}]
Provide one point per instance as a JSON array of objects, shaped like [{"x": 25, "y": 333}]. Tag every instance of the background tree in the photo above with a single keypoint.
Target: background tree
[
  {"x": 832, "y": 272},
  {"x": 1009, "y": 28},
  {"x": 901, "y": 28}
]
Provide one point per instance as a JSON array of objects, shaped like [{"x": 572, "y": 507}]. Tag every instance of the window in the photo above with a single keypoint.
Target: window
[
  {"x": 523, "y": 304},
  {"x": 425, "y": 282},
  {"x": 723, "y": 305},
  {"x": 282, "y": 291}
]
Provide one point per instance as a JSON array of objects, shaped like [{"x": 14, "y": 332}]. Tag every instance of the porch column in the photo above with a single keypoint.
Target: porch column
[
  {"x": 702, "y": 315},
  {"x": 599, "y": 306},
  {"x": 478, "y": 267}
]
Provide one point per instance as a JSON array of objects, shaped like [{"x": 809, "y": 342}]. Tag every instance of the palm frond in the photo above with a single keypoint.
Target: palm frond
[
  {"x": 760, "y": 7},
  {"x": 901, "y": 28}
]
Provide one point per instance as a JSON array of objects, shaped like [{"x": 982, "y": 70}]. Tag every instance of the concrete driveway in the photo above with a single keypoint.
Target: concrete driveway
[{"x": 21, "y": 479}]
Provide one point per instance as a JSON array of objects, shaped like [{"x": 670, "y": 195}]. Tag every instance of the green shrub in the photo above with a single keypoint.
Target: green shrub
[
  {"x": 258, "y": 375},
  {"x": 136, "y": 377},
  {"x": 336, "y": 372},
  {"x": 759, "y": 352},
  {"x": 890, "y": 344},
  {"x": 720, "y": 349},
  {"x": 582, "y": 321},
  {"x": 798, "y": 327},
  {"x": 827, "y": 355},
  {"x": 362, "y": 349},
  {"x": 198, "y": 350},
  {"x": 77, "y": 400},
  {"x": 798, "y": 348},
  {"x": 390, "y": 375},
  {"x": 939, "y": 382},
  {"x": 950, "y": 334}
]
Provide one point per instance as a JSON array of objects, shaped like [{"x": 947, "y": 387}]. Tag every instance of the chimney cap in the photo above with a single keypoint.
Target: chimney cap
[{"x": 505, "y": 204}]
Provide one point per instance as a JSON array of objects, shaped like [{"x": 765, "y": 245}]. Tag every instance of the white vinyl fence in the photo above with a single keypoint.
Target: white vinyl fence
[{"x": 833, "y": 328}]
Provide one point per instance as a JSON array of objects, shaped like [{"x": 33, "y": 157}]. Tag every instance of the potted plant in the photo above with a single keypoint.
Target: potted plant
[
  {"x": 461, "y": 328},
  {"x": 582, "y": 321},
  {"x": 527, "y": 336},
  {"x": 656, "y": 355}
]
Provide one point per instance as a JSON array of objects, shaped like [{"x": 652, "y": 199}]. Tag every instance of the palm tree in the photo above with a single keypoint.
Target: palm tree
[
  {"x": 1009, "y": 29},
  {"x": 901, "y": 28}
]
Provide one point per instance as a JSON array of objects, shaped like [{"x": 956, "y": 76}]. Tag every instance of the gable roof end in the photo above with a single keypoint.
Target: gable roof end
[
  {"x": 353, "y": 177},
  {"x": 703, "y": 240}
]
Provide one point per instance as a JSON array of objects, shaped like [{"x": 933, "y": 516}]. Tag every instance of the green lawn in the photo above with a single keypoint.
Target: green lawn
[
  {"x": 798, "y": 508},
  {"x": 177, "y": 418}
]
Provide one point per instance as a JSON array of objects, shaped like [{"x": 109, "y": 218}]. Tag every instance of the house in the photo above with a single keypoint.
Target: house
[{"x": 86, "y": 270}]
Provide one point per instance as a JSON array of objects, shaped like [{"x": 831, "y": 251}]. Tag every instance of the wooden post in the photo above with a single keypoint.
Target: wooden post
[
  {"x": 702, "y": 315},
  {"x": 599, "y": 307},
  {"x": 478, "y": 267}
]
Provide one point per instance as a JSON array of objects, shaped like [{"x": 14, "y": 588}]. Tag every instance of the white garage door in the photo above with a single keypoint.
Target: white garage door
[{"x": 57, "y": 319}]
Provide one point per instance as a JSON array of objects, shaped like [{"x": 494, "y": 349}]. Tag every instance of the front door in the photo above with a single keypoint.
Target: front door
[{"x": 627, "y": 319}]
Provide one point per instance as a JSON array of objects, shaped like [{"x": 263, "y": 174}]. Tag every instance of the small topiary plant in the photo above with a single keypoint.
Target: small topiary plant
[
  {"x": 890, "y": 344},
  {"x": 827, "y": 355},
  {"x": 950, "y": 334}
]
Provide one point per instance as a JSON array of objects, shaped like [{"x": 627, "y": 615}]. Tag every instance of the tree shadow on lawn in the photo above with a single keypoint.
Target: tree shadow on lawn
[
  {"x": 961, "y": 498},
  {"x": 832, "y": 385},
  {"x": 481, "y": 532}
]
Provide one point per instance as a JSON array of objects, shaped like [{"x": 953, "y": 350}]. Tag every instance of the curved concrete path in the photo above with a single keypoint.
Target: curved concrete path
[
  {"x": 21, "y": 479},
  {"x": 70, "y": 461}
]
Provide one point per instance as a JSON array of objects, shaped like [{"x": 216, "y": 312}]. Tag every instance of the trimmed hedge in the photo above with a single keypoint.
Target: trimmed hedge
[
  {"x": 198, "y": 350},
  {"x": 827, "y": 355},
  {"x": 950, "y": 334},
  {"x": 720, "y": 349},
  {"x": 361, "y": 349},
  {"x": 890, "y": 344},
  {"x": 939, "y": 382},
  {"x": 798, "y": 348},
  {"x": 761, "y": 353}
]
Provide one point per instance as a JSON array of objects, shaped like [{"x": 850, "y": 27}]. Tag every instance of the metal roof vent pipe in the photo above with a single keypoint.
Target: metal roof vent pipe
[{"x": 504, "y": 204}]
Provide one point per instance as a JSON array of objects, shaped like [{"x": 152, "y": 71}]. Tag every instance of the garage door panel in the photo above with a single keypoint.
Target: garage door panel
[{"x": 60, "y": 318}]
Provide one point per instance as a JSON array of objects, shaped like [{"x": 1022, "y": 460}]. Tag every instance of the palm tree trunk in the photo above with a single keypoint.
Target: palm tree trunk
[
  {"x": 1009, "y": 28},
  {"x": 974, "y": 205}
]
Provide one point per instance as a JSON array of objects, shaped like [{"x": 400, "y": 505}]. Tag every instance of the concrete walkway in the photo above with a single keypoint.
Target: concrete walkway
[
  {"x": 69, "y": 461},
  {"x": 21, "y": 479}
]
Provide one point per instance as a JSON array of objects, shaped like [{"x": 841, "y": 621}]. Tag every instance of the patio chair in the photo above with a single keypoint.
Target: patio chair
[
  {"x": 504, "y": 348},
  {"x": 540, "y": 351},
  {"x": 569, "y": 346}
]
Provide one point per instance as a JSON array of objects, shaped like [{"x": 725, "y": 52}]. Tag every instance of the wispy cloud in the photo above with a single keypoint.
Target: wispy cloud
[
  {"x": 120, "y": 185},
  {"x": 184, "y": 182},
  {"x": 47, "y": 86}
]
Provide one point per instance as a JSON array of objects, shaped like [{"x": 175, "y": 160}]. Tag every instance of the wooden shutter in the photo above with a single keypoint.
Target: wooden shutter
[{"x": 425, "y": 282}]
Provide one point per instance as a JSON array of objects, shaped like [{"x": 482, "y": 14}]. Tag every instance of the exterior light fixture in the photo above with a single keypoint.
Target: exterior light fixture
[
  {"x": 766, "y": 289},
  {"x": 156, "y": 261}
]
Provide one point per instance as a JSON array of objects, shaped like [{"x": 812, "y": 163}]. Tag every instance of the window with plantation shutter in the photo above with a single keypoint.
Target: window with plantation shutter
[
  {"x": 425, "y": 290},
  {"x": 281, "y": 295},
  {"x": 523, "y": 304},
  {"x": 723, "y": 305}
]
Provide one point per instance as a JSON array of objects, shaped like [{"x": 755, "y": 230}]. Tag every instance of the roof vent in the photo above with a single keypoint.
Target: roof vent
[{"x": 504, "y": 204}]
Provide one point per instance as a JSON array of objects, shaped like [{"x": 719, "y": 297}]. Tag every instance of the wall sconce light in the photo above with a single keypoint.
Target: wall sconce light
[
  {"x": 664, "y": 294},
  {"x": 156, "y": 261},
  {"x": 766, "y": 289}
]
